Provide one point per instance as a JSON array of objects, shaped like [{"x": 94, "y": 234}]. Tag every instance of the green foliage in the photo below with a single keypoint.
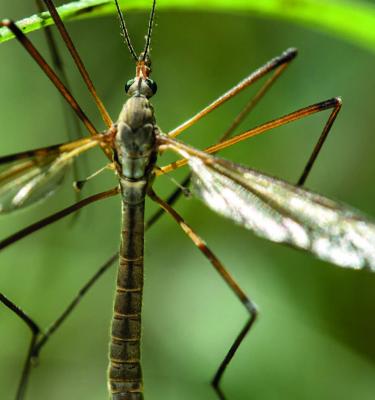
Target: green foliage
[{"x": 352, "y": 20}]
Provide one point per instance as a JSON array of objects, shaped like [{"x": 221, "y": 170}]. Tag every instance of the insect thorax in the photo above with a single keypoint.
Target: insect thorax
[{"x": 135, "y": 140}]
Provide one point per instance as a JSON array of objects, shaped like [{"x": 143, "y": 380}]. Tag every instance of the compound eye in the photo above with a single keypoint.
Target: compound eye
[
  {"x": 152, "y": 85},
  {"x": 128, "y": 85}
]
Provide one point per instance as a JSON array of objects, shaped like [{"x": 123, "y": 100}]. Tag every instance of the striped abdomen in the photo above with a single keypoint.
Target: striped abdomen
[{"x": 125, "y": 375}]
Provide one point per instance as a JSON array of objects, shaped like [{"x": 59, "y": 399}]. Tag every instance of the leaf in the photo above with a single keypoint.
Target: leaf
[{"x": 352, "y": 20}]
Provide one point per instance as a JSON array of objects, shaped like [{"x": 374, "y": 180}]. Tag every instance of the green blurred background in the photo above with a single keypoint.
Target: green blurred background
[{"x": 315, "y": 335}]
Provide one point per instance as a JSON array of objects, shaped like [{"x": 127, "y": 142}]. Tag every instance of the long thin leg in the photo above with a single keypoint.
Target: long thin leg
[
  {"x": 26, "y": 43},
  {"x": 39, "y": 339},
  {"x": 58, "y": 65},
  {"x": 28, "y": 230},
  {"x": 271, "y": 65},
  {"x": 334, "y": 103},
  {"x": 337, "y": 103},
  {"x": 78, "y": 61},
  {"x": 172, "y": 198},
  {"x": 35, "y": 332},
  {"x": 75, "y": 132},
  {"x": 245, "y": 300},
  {"x": 73, "y": 304},
  {"x": 254, "y": 100}
]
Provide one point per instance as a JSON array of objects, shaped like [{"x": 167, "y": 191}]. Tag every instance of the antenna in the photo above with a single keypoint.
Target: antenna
[
  {"x": 149, "y": 31},
  {"x": 125, "y": 32},
  {"x": 126, "y": 35}
]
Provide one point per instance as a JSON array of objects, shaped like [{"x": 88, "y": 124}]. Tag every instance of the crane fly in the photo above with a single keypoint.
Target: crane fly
[{"x": 268, "y": 206}]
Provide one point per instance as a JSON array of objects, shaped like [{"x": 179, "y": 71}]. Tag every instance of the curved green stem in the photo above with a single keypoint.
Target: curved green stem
[{"x": 353, "y": 20}]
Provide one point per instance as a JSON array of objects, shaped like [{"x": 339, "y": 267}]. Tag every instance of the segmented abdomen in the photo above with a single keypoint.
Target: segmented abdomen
[{"x": 125, "y": 374}]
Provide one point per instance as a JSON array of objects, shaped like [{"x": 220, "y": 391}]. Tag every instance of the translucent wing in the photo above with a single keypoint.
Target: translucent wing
[
  {"x": 29, "y": 177},
  {"x": 281, "y": 212}
]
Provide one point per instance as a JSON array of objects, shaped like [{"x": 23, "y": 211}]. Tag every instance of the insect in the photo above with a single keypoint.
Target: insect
[{"x": 211, "y": 175}]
